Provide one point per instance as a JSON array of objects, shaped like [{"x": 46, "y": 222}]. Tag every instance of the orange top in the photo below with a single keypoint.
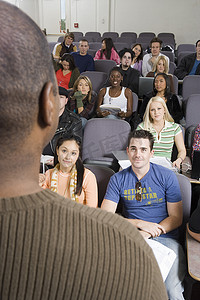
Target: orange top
[
  {"x": 89, "y": 193},
  {"x": 63, "y": 80}
]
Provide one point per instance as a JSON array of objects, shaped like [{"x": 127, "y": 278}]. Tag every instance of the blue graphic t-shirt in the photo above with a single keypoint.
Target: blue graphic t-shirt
[{"x": 159, "y": 186}]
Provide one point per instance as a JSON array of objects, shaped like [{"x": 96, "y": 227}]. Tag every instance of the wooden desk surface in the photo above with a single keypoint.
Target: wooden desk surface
[{"x": 193, "y": 257}]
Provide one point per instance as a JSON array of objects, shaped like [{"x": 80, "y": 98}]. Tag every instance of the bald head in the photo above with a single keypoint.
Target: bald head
[{"x": 25, "y": 68}]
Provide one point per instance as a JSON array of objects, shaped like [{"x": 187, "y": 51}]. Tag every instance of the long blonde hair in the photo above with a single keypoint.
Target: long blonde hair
[
  {"x": 147, "y": 120},
  {"x": 166, "y": 67}
]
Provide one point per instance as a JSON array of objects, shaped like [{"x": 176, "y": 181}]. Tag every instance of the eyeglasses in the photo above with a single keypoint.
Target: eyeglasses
[{"x": 138, "y": 187}]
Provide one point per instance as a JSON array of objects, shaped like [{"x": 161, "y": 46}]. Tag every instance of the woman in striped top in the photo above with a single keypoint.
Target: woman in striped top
[{"x": 160, "y": 123}]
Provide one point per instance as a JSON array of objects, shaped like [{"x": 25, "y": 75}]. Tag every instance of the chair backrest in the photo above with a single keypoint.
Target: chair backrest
[
  {"x": 145, "y": 86},
  {"x": 185, "y": 187},
  {"x": 60, "y": 39},
  {"x": 135, "y": 101},
  {"x": 105, "y": 66},
  {"x": 166, "y": 34},
  {"x": 95, "y": 45},
  {"x": 172, "y": 67},
  {"x": 149, "y": 35},
  {"x": 131, "y": 35},
  {"x": 102, "y": 136},
  {"x": 125, "y": 40},
  {"x": 168, "y": 41},
  {"x": 182, "y": 54},
  {"x": 186, "y": 47},
  {"x": 119, "y": 46},
  {"x": 77, "y": 35},
  {"x": 90, "y": 39},
  {"x": 191, "y": 85},
  {"x": 143, "y": 41},
  {"x": 169, "y": 54},
  {"x": 175, "y": 81},
  {"x": 94, "y": 34},
  {"x": 98, "y": 79},
  {"x": 91, "y": 52},
  {"x": 192, "y": 115},
  {"x": 110, "y": 34},
  {"x": 52, "y": 45},
  {"x": 103, "y": 175}
]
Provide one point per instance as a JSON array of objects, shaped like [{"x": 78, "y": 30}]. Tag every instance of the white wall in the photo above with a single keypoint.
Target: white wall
[{"x": 178, "y": 16}]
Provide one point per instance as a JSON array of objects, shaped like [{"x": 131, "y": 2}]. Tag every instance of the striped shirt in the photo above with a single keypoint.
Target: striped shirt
[{"x": 163, "y": 144}]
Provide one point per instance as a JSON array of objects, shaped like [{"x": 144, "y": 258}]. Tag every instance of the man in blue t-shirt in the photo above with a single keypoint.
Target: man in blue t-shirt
[
  {"x": 151, "y": 201},
  {"x": 83, "y": 60},
  {"x": 190, "y": 64}
]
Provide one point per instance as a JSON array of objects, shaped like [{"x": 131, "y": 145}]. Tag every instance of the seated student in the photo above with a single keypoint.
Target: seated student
[
  {"x": 115, "y": 95},
  {"x": 83, "y": 60},
  {"x": 151, "y": 201},
  {"x": 194, "y": 223},
  {"x": 68, "y": 72},
  {"x": 150, "y": 58},
  {"x": 66, "y": 46},
  {"x": 190, "y": 64},
  {"x": 138, "y": 58},
  {"x": 130, "y": 75},
  {"x": 69, "y": 123},
  {"x": 69, "y": 178},
  {"x": 161, "y": 66},
  {"x": 165, "y": 132},
  {"x": 107, "y": 51},
  {"x": 161, "y": 88},
  {"x": 82, "y": 99}
]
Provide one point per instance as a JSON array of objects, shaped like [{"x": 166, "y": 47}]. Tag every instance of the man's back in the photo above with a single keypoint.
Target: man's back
[{"x": 53, "y": 248}]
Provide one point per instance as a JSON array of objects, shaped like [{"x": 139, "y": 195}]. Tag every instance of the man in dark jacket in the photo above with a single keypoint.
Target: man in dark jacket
[
  {"x": 130, "y": 75},
  {"x": 69, "y": 123},
  {"x": 190, "y": 64}
]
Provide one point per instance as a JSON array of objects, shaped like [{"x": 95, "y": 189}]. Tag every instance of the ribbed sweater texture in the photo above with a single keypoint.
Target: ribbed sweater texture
[{"x": 53, "y": 248}]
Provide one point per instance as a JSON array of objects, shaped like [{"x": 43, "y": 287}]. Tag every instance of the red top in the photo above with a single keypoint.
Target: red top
[{"x": 62, "y": 80}]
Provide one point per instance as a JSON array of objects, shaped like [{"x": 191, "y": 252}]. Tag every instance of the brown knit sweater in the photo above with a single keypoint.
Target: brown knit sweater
[{"x": 52, "y": 248}]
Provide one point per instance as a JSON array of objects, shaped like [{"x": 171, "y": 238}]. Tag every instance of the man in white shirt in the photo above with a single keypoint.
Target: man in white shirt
[{"x": 150, "y": 58}]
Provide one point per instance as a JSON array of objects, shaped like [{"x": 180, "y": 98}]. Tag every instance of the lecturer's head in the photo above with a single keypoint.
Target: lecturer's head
[{"x": 28, "y": 87}]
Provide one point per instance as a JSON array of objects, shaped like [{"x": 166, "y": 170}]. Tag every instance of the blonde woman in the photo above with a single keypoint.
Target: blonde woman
[
  {"x": 160, "y": 123},
  {"x": 161, "y": 66}
]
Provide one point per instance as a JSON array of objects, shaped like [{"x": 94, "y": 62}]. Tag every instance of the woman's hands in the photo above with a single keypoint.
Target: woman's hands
[
  {"x": 177, "y": 163},
  {"x": 102, "y": 114},
  {"x": 79, "y": 97},
  {"x": 41, "y": 179},
  {"x": 122, "y": 114}
]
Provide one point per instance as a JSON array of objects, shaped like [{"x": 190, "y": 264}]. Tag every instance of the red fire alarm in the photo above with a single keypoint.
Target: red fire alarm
[{"x": 75, "y": 25}]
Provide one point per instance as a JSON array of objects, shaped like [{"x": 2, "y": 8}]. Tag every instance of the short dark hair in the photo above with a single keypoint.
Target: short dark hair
[
  {"x": 123, "y": 51},
  {"x": 70, "y": 59},
  {"x": 23, "y": 73},
  {"x": 197, "y": 42},
  {"x": 156, "y": 40},
  {"x": 141, "y": 134},
  {"x": 83, "y": 40},
  {"x": 118, "y": 69}
]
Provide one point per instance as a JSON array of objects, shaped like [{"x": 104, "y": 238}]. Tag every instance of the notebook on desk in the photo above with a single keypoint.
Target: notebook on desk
[{"x": 196, "y": 165}]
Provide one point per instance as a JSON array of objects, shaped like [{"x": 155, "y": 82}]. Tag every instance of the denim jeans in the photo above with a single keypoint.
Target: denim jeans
[{"x": 174, "y": 280}]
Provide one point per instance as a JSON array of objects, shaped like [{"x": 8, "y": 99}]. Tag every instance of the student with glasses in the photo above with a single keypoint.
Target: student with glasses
[{"x": 151, "y": 201}]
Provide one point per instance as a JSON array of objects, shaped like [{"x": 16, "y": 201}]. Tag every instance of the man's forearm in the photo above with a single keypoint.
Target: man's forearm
[{"x": 171, "y": 223}]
